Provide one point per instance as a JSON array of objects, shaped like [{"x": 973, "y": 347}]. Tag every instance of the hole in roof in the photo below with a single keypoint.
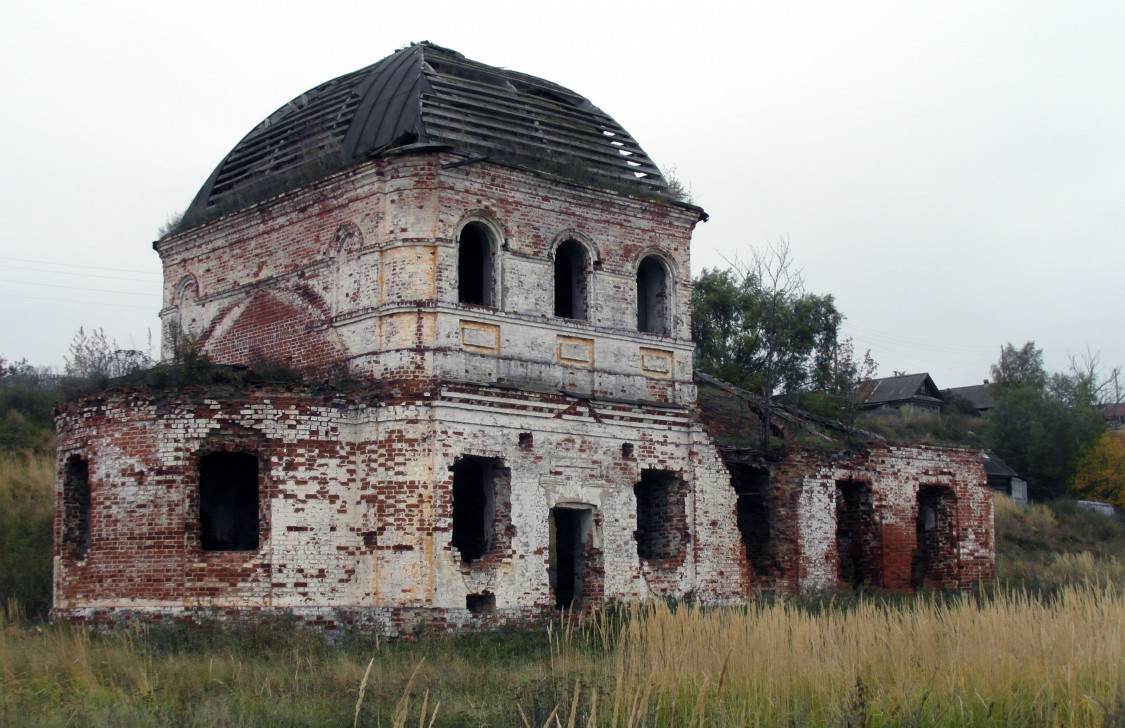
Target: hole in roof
[
  {"x": 624, "y": 152},
  {"x": 551, "y": 96},
  {"x": 638, "y": 175},
  {"x": 631, "y": 163},
  {"x": 617, "y": 143},
  {"x": 607, "y": 132}
]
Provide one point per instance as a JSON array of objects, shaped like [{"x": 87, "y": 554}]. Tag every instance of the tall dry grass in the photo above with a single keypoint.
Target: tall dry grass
[{"x": 1009, "y": 659}]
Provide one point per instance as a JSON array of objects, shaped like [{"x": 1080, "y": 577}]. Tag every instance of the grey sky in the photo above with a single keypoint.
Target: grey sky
[{"x": 952, "y": 172}]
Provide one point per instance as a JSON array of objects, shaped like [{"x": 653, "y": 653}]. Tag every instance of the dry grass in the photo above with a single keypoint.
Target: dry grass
[{"x": 1010, "y": 657}]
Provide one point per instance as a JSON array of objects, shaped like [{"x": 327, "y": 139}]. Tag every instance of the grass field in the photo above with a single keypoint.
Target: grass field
[{"x": 1045, "y": 647}]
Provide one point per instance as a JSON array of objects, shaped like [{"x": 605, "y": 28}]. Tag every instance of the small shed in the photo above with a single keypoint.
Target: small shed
[{"x": 1002, "y": 478}]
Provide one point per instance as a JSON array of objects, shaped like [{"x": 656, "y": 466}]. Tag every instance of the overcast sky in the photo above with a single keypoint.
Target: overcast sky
[{"x": 951, "y": 171}]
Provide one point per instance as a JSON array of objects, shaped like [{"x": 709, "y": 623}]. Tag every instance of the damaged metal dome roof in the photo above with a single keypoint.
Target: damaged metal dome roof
[{"x": 426, "y": 94}]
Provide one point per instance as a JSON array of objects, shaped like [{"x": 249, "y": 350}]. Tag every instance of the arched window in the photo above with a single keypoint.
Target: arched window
[
  {"x": 474, "y": 265},
  {"x": 652, "y": 296},
  {"x": 570, "y": 280}
]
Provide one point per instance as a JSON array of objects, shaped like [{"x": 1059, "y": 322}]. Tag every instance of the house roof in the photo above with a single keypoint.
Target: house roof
[
  {"x": 994, "y": 466},
  {"x": 1113, "y": 411},
  {"x": 902, "y": 388},
  {"x": 979, "y": 395},
  {"x": 427, "y": 95}
]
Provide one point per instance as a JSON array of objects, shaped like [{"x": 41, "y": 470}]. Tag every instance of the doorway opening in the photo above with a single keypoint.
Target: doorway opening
[
  {"x": 573, "y": 558},
  {"x": 934, "y": 565}
]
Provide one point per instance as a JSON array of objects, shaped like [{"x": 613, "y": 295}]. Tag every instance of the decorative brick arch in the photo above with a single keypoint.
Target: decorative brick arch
[{"x": 290, "y": 327}]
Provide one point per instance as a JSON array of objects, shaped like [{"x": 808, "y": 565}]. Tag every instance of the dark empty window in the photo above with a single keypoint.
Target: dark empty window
[
  {"x": 857, "y": 534},
  {"x": 474, "y": 265},
  {"x": 76, "y": 507},
  {"x": 476, "y": 521},
  {"x": 662, "y": 532},
  {"x": 228, "y": 501},
  {"x": 481, "y": 603},
  {"x": 652, "y": 296},
  {"x": 570, "y": 280},
  {"x": 751, "y": 485}
]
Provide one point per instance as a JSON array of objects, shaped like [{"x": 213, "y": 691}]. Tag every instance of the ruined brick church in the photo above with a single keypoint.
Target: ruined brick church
[{"x": 502, "y": 273}]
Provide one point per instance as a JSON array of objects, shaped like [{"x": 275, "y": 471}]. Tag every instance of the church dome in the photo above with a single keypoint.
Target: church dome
[{"x": 427, "y": 95}]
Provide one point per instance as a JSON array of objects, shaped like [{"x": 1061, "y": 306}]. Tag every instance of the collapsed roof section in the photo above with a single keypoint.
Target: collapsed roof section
[{"x": 427, "y": 95}]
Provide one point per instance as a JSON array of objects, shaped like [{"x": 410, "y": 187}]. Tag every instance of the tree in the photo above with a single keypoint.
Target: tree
[
  {"x": 94, "y": 358},
  {"x": 1100, "y": 473},
  {"x": 1019, "y": 367},
  {"x": 847, "y": 385},
  {"x": 1040, "y": 424},
  {"x": 757, "y": 327}
]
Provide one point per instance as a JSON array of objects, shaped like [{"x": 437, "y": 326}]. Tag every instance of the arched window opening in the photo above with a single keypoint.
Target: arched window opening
[
  {"x": 228, "y": 501},
  {"x": 570, "y": 281},
  {"x": 76, "y": 507},
  {"x": 652, "y": 296},
  {"x": 474, "y": 265}
]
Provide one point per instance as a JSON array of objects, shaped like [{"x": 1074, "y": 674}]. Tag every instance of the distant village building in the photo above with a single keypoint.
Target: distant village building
[
  {"x": 486, "y": 284},
  {"x": 912, "y": 393},
  {"x": 978, "y": 395}
]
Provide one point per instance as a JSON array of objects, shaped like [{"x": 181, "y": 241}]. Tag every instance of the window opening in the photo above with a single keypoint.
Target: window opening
[
  {"x": 480, "y": 603},
  {"x": 661, "y": 516},
  {"x": 752, "y": 487},
  {"x": 474, "y": 265},
  {"x": 652, "y": 296},
  {"x": 76, "y": 507},
  {"x": 481, "y": 506},
  {"x": 570, "y": 281},
  {"x": 857, "y": 534},
  {"x": 934, "y": 564},
  {"x": 627, "y": 450},
  {"x": 572, "y": 556},
  {"x": 526, "y": 440},
  {"x": 228, "y": 501}
]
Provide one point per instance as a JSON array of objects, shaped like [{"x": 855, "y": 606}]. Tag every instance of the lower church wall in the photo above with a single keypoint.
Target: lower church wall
[{"x": 462, "y": 505}]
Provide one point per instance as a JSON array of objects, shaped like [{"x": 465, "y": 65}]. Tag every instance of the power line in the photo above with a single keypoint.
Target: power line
[
  {"x": 79, "y": 288},
  {"x": 78, "y": 265},
  {"x": 68, "y": 273},
  {"x": 85, "y": 303}
]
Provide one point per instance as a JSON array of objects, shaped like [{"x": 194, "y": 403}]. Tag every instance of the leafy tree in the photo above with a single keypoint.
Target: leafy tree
[
  {"x": 1100, "y": 473},
  {"x": 757, "y": 327},
  {"x": 1020, "y": 367},
  {"x": 1041, "y": 423}
]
